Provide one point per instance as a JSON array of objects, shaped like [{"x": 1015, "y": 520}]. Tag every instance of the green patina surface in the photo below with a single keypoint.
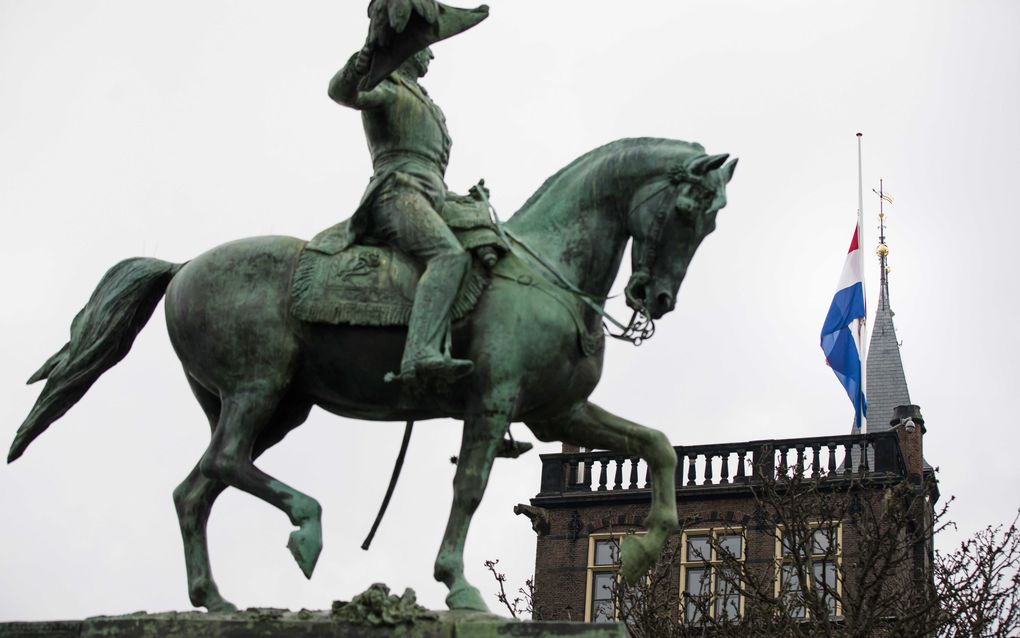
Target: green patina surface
[
  {"x": 530, "y": 351},
  {"x": 376, "y": 607}
]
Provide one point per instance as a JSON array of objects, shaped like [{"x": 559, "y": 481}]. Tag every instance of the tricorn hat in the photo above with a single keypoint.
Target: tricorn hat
[{"x": 419, "y": 33}]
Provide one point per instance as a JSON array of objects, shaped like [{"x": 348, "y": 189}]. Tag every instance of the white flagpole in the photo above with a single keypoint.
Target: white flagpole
[{"x": 862, "y": 325}]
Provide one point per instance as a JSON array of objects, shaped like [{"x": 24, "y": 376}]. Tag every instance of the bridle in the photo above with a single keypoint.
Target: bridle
[{"x": 641, "y": 326}]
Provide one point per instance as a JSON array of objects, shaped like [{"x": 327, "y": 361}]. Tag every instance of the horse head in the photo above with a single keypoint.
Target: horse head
[{"x": 668, "y": 219}]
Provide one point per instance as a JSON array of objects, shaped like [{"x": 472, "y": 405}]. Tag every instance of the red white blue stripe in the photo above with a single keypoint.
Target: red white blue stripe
[{"x": 842, "y": 333}]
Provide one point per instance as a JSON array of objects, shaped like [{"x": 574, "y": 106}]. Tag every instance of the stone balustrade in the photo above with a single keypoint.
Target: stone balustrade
[{"x": 729, "y": 464}]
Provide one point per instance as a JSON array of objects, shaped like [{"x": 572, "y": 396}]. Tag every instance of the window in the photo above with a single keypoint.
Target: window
[
  {"x": 809, "y": 560},
  {"x": 603, "y": 578},
  {"x": 706, "y": 585}
]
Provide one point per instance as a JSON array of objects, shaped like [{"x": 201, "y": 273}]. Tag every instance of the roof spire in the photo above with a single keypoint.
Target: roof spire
[{"x": 887, "y": 384}]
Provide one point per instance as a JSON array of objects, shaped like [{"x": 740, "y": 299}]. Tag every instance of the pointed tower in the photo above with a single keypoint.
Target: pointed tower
[{"x": 886, "y": 384}]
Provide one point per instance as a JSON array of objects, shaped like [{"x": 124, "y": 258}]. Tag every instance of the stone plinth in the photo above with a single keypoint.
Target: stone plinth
[{"x": 272, "y": 623}]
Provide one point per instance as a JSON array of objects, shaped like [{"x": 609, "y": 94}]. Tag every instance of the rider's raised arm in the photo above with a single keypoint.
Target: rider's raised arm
[{"x": 343, "y": 88}]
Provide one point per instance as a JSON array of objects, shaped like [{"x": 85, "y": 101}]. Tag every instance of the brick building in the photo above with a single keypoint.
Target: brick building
[{"x": 590, "y": 499}]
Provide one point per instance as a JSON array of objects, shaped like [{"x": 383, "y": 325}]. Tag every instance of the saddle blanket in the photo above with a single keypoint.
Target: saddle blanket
[{"x": 368, "y": 286}]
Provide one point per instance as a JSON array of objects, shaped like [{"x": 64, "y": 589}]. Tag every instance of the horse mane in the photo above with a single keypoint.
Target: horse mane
[{"x": 621, "y": 150}]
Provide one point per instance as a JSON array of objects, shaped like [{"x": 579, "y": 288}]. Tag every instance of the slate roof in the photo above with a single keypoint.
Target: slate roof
[{"x": 885, "y": 384}]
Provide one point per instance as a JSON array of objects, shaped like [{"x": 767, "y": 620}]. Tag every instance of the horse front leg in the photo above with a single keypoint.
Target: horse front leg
[
  {"x": 590, "y": 426},
  {"x": 482, "y": 438}
]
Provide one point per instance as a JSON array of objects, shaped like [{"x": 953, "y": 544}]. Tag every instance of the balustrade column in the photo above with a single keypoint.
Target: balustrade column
[
  {"x": 570, "y": 469},
  {"x": 783, "y": 467},
  {"x": 741, "y": 476},
  {"x": 764, "y": 461}
]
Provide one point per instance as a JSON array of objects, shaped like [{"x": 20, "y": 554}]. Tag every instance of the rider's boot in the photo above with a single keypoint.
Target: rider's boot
[{"x": 430, "y": 321}]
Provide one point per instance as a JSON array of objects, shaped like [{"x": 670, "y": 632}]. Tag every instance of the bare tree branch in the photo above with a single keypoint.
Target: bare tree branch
[{"x": 856, "y": 559}]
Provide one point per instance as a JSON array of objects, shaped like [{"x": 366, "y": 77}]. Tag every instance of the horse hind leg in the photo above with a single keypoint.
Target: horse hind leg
[
  {"x": 193, "y": 499},
  {"x": 245, "y": 418},
  {"x": 195, "y": 496}
]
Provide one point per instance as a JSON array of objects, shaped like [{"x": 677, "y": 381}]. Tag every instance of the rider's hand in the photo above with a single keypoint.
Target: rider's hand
[
  {"x": 479, "y": 191},
  {"x": 364, "y": 61}
]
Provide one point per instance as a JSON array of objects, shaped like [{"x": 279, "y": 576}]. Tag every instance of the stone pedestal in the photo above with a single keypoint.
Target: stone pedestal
[{"x": 272, "y": 623}]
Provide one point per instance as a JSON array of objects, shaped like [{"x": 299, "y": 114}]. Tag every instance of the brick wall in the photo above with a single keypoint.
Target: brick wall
[{"x": 562, "y": 554}]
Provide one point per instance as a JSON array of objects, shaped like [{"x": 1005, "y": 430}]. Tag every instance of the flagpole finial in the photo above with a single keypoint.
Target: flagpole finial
[{"x": 860, "y": 135}]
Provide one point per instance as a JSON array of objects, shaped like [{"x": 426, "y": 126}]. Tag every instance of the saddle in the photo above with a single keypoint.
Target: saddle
[{"x": 336, "y": 282}]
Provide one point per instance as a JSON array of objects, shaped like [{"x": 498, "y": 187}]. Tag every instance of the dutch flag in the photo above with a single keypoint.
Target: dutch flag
[{"x": 843, "y": 331}]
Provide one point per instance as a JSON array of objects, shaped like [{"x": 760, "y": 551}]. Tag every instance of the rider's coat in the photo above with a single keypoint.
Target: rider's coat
[{"x": 410, "y": 148}]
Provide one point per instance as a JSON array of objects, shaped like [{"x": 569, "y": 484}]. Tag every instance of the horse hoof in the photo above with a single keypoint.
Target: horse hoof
[
  {"x": 305, "y": 545},
  {"x": 635, "y": 557},
  {"x": 204, "y": 593},
  {"x": 221, "y": 607},
  {"x": 511, "y": 449},
  {"x": 465, "y": 597}
]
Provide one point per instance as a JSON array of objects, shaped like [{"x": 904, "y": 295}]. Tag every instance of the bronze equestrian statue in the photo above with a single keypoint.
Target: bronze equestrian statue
[
  {"x": 268, "y": 327},
  {"x": 410, "y": 149}
]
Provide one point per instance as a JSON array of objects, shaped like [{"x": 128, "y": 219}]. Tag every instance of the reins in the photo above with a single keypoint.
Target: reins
[
  {"x": 641, "y": 326},
  {"x": 639, "y": 329}
]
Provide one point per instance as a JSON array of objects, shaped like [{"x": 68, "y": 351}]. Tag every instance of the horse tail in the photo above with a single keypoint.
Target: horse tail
[{"x": 101, "y": 335}]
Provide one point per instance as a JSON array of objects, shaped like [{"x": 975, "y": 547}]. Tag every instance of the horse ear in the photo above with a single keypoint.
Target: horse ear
[
  {"x": 727, "y": 171},
  {"x": 704, "y": 164}
]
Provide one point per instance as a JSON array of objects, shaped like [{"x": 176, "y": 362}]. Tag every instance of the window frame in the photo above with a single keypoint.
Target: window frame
[
  {"x": 835, "y": 556},
  {"x": 612, "y": 568},
  {"x": 712, "y": 564}
]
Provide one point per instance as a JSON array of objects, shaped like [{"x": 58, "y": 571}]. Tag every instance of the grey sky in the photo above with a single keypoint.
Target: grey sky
[{"x": 165, "y": 128}]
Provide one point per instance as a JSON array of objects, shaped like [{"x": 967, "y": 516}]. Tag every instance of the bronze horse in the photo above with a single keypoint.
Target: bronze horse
[{"x": 257, "y": 371}]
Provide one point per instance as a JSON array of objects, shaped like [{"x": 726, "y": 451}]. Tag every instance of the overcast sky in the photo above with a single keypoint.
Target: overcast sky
[{"x": 131, "y": 127}]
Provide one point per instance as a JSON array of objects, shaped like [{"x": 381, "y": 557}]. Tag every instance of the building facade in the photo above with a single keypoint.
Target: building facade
[
  {"x": 740, "y": 504},
  {"x": 840, "y": 517}
]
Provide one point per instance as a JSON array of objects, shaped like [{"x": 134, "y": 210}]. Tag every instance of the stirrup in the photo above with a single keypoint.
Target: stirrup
[{"x": 441, "y": 369}]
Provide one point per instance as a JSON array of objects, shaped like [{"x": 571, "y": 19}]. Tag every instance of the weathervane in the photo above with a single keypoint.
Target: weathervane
[{"x": 883, "y": 250}]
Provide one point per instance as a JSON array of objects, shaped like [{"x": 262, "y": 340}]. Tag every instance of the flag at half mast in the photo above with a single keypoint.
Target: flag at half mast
[{"x": 842, "y": 333}]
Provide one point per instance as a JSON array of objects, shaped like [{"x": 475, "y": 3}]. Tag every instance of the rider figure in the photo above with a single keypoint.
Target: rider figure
[{"x": 410, "y": 148}]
